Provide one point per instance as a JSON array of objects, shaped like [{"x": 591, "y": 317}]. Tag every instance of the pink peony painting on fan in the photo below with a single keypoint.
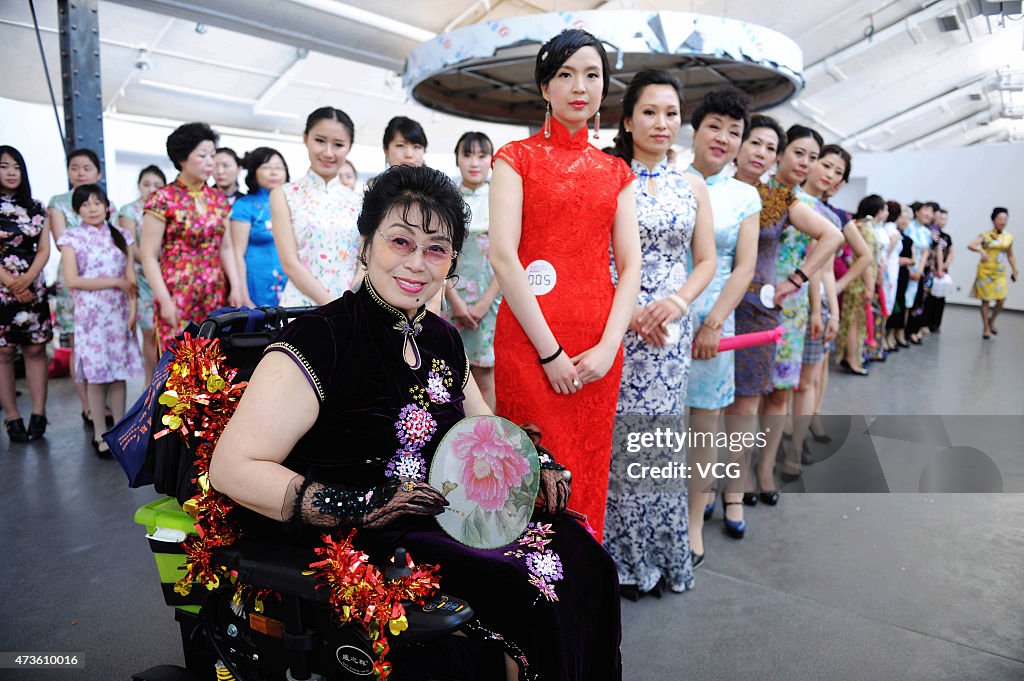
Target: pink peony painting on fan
[{"x": 488, "y": 469}]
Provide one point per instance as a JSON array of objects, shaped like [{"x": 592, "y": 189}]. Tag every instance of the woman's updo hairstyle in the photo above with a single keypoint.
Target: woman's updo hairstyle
[
  {"x": 329, "y": 113},
  {"x": 869, "y": 207},
  {"x": 895, "y": 210},
  {"x": 837, "y": 150},
  {"x": 798, "y": 131},
  {"x": 624, "y": 140},
  {"x": 557, "y": 51},
  {"x": 409, "y": 129},
  {"x": 470, "y": 142},
  {"x": 441, "y": 206},
  {"x": 152, "y": 170},
  {"x": 184, "y": 140},
  {"x": 997, "y": 211},
  {"x": 257, "y": 157},
  {"x": 86, "y": 153},
  {"x": 763, "y": 121}
]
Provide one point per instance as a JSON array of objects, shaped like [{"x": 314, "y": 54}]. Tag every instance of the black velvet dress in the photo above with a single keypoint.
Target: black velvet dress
[{"x": 378, "y": 416}]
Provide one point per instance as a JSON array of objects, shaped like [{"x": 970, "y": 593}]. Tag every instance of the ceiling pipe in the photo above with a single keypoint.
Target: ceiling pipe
[
  {"x": 280, "y": 83},
  {"x": 155, "y": 51},
  {"x": 909, "y": 112},
  {"x": 902, "y": 25},
  {"x": 195, "y": 92},
  {"x": 808, "y": 112},
  {"x": 927, "y": 137}
]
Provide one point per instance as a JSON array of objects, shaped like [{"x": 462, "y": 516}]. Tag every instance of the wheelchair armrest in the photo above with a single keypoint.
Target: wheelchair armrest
[
  {"x": 273, "y": 566},
  {"x": 280, "y": 567}
]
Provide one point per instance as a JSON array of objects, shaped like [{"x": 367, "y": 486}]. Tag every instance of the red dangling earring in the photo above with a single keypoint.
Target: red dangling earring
[
  {"x": 597, "y": 125},
  {"x": 547, "y": 121}
]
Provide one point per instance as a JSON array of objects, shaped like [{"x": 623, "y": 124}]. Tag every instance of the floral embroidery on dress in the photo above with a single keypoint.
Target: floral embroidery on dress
[
  {"x": 545, "y": 565},
  {"x": 407, "y": 464},
  {"x": 415, "y": 426}
]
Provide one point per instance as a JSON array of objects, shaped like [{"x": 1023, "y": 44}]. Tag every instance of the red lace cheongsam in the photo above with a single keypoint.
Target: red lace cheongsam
[{"x": 570, "y": 195}]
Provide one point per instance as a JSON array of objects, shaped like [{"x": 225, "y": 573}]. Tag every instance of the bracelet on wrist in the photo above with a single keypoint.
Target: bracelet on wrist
[
  {"x": 800, "y": 273},
  {"x": 552, "y": 357},
  {"x": 679, "y": 302},
  {"x": 795, "y": 282}
]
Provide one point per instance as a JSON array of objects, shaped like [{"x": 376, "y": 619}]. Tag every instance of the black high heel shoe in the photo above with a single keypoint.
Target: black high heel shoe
[
  {"x": 16, "y": 430},
  {"x": 631, "y": 592},
  {"x": 36, "y": 426},
  {"x": 822, "y": 437},
  {"x": 749, "y": 499},
  {"x": 850, "y": 370},
  {"x": 101, "y": 449}
]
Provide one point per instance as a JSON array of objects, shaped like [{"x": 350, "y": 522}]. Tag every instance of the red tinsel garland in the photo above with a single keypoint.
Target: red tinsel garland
[
  {"x": 201, "y": 399},
  {"x": 360, "y": 592}
]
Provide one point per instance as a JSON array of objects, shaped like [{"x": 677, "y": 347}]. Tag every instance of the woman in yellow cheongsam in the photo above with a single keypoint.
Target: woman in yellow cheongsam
[{"x": 996, "y": 248}]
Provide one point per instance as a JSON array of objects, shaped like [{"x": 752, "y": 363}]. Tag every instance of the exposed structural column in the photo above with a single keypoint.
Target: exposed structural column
[{"x": 78, "y": 21}]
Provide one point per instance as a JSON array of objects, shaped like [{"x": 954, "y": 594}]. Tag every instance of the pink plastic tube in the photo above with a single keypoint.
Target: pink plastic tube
[
  {"x": 869, "y": 316},
  {"x": 749, "y": 340}
]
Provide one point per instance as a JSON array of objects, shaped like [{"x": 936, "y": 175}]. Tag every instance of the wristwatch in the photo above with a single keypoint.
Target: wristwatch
[{"x": 713, "y": 325}]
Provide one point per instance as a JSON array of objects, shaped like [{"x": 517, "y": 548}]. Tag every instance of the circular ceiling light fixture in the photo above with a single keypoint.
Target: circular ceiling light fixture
[{"x": 485, "y": 71}]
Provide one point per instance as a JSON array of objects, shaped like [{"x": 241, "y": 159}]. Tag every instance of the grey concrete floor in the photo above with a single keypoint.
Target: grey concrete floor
[{"x": 921, "y": 586}]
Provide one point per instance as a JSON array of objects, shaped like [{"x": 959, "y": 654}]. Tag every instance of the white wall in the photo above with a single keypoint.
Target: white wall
[{"x": 968, "y": 182}]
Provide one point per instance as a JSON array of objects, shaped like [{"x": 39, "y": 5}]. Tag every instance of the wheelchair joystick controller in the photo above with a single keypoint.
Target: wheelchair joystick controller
[{"x": 399, "y": 566}]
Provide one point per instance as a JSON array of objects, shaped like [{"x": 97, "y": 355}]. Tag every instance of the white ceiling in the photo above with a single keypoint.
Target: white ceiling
[{"x": 264, "y": 65}]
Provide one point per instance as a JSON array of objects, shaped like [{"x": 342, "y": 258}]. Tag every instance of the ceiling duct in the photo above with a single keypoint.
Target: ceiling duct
[{"x": 485, "y": 71}]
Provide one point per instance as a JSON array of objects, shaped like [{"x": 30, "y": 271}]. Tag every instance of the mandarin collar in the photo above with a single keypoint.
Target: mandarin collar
[
  {"x": 560, "y": 136},
  {"x": 408, "y": 328},
  {"x": 640, "y": 170},
  {"x": 195, "y": 190},
  {"x": 321, "y": 183},
  {"x": 717, "y": 178},
  {"x": 387, "y": 308},
  {"x": 482, "y": 190}
]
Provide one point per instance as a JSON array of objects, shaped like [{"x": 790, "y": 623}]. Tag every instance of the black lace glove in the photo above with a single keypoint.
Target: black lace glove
[
  {"x": 330, "y": 506},
  {"x": 555, "y": 479}
]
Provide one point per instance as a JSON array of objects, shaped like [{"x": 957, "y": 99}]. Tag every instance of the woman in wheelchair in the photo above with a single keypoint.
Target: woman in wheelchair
[{"x": 342, "y": 416}]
